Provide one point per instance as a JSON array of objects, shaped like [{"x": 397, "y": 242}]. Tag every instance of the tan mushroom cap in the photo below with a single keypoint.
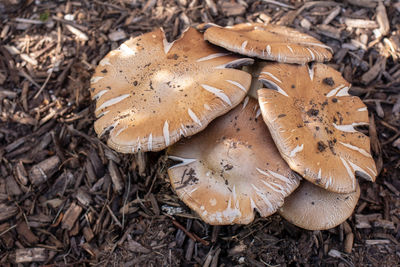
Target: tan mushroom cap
[
  {"x": 271, "y": 42},
  {"x": 231, "y": 169},
  {"x": 311, "y": 118},
  {"x": 313, "y": 208},
  {"x": 150, "y": 92}
]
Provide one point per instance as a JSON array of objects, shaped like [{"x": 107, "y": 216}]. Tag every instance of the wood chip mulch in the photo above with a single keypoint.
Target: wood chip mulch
[{"x": 67, "y": 199}]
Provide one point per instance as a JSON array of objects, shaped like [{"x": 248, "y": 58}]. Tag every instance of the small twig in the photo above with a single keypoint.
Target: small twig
[
  {"x": 189, "y": 234},
  {"x": 113, "y": 216},
  {"x": 44, "y": 84},
  {"x": 7, "y": 230},
  {"x": 278, "y": 4}
]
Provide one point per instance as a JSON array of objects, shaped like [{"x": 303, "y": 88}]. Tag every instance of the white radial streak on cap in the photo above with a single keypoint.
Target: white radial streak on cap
[
  {"x": 358, "y": 168},
  {"x": 280, "y": 90},
  {"x": 343, "y": 92},
  {"x": 263, "y": 172},
  {"x": 271, "y": 75},
  {"x": 349, "y": 128},
  {"x": 238, "y": 85},
  {"x": 192, "y": 191},
  {"x": 290, "y": 48},
  {"x": 96, "y": 79},
  {"x": 348, "y": 169},
  {"x": 310, "y": 72},
  {"x": 126, "y": 50},
  {"x": 120, "y": 131},
  {"x": 317, "y": 44},
  {"x": 207, "y": 107},
  {"x": 150, "y": 142},
  {"x": 296, "y": 150},
  {"x": 362, "y": 109},
  {"x": 102, "y": 114},
  {"x": 244, "y": 44},
  {"x": 166, "y": 133},
  {"x": 262, "y": 196},
  {"x": 194, "y": 117},
  {"x": 311, "y": 53},
  {"x": 245, "y": 102},
  {"x": 167, "y": 45},
  {"x": 223, "y": 66},
  {"x": 212, "y": 56},
  {"x": 183, "y": 163},
  {"x": 112, "y": 126},
  {"x": 268, "y": 49},
  {"x": 278, "y": 190},
  {"x": 104, "y": 61},
  {"x": 280, "y": 177},
  {"x": 112, "y": 101},
  {"x": 217, "y": 92},
  {"x": 360, "y": 150},
  {"x": 99, "y": 94},
  {"x": 334, "y": 91}
]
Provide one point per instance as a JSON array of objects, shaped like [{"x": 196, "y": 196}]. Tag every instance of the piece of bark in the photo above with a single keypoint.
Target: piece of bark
[
  {"x": 116, "y": 177},
  {"x": 382, "y": 19},
  {"x": 360, "y": 23},
  {"x": 134, "y": 246},
  {"x": 42, "y": 171},
  {"x": 70, "y": 216},
  {"x": 232, "y": 9},
  {"x": 348, "y": 242},
  {"x": 374, "y": 71},
  {"x": 25, "y": 233},
  {"x": 88, "y": 233},
  {"x": 12, "y": 187},
  {"x": 83, "y": 197},
  {"x": 6, "y": 236},
  {"x": 31, "y": 255},
  {"x": 7, "y": 211},
  {"x": 20, "y": 173}
]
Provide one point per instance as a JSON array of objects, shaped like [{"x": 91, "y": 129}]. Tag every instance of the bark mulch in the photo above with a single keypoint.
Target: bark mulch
[{"x": 66, "y": 199}]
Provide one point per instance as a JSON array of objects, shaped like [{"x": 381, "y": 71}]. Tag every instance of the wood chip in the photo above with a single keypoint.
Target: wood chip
[
  {"x": 70, "y": 216},
  {"x": 31, "y": 255},
  {"x": 7, "y": 211},
  {"x": 42, "y": 171}
]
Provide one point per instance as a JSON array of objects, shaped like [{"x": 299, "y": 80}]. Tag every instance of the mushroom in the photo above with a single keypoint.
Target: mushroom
[
  {"x": 150, "y": 92},
  {"x": 231, "y": 169},
  {"x": 313, "y": 208},
  {"x": 271, "y": 42},
  {"x": 311, "y": 118}
]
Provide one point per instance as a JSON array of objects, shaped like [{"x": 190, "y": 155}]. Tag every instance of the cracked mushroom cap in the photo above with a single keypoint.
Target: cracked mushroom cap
[
  {"x": 271, "y": 42},
  {"x": 311, "y": 118},
  {"x": 150, "y": 93},
  {"x": 313, "y": 208},
  {"x": 231, "y": 169}
]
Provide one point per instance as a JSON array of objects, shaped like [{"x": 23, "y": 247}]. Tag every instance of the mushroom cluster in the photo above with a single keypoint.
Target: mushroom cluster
[{"x": 246, "y": 112}]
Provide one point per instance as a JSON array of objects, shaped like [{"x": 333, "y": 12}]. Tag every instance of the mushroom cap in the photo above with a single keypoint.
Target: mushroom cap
[
  {"x": 150, "y": 92},
  {"x": 231, "y": 169},
  {"x": 311, "y": 118},
  {"x": 271, "y": 42},
  {"x": 313, "y": 208}
]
